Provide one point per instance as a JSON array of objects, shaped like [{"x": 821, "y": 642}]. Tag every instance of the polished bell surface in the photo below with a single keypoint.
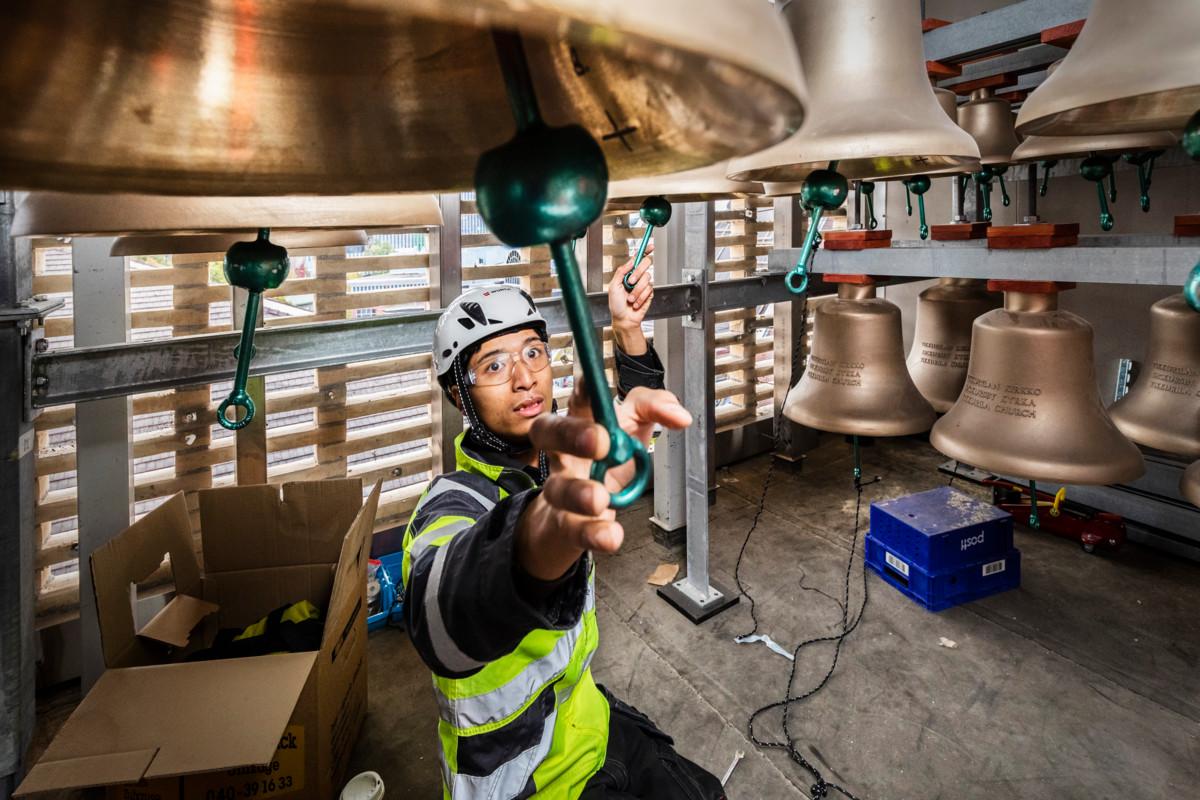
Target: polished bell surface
[
  {"x": 1190, "y": 485},
  {"x": 66, "y": 214},
  {"x": 1043, "y": 148},
  {"x": 948, "y": 100},
  {"x": 1030, "y": 408},
  {"x": 1134, "y": 67},
  {"x": 989, "y": 120},
  {"x": 871, "y": 107},
  {"x": 273, "y": 97},
  {"x": 1162, "y": 408},
  {"x": 942, "y": 339},
  {"x": 190, "y": 243},
  {"x": 855, "y": 381},
  {"x": 706, "y": 183}
]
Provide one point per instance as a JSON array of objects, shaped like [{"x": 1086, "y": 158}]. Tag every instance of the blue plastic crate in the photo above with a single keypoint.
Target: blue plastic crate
[
  {"x": 942, "y": 529},
  {"x": 937, "y": 592}
]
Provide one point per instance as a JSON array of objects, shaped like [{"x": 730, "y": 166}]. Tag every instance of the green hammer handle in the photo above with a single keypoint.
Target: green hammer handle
[
  {"x": 627, "y": 278},
  {"x": 245, "y": 351}
]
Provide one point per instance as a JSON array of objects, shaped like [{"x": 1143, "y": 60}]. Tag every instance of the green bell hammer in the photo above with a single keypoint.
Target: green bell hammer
[
  {"x": 823, "y": 190},
  {"x": 918, "y": 185},
  {"x": 544, "y": 186},
  {"x": 655, "y": 212},
  {"x": 868, "y": 192},
  {"x": 1047, "y": 166},
  {"x": 256, "y": 267},
  {"x": 1144, "y": 162},
  {"x": 1097, "y": 169}
]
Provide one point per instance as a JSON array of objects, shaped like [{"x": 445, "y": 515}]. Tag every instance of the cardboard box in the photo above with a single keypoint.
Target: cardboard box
[{"x": 282, "y": 725}]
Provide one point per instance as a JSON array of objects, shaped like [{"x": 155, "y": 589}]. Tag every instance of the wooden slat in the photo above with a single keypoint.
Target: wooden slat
[{"x": 394, "y": 297}]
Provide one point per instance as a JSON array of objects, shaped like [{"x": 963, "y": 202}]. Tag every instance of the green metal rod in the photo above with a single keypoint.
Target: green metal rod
[
  {"x": 1034, "y": 522},
  {"x": 622, "y": 446},
  {"x": 1112, "y": 181},
  {"x": 627, "y": 278},
  {"x": 797, "y": 279},
  {"x": 1047, "y": 166},
  {"x": 518, "y": 82},
  {"x": 1191, "y": 137},
  {"x": 924, "y": 229},
  {"x": 983, "y": 180},
  {"x": 1003, "y": 190},
  {"x": 907, "y": 199},
  {"x": 238, "y": 398},
  {"x": 857, "y": 461},
  {"x": 1106, "y": 217},
  {"x": 868, "y": 191}
]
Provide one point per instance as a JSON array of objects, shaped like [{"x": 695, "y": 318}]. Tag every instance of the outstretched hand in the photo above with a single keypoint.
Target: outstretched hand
[
  {"x": 628, "y": 308},
  {"x": 572, "y": 514}
]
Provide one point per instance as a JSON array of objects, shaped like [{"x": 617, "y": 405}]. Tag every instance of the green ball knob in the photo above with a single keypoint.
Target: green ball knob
[
  {"x": 1095, "y": 168},
  {"x": 984, "y": 176},
  {"x": 824, "y": 189},
  {"x": 919, "y": 184},
  {"x": 866, "y": 187},
  {"x": 655, "y": 211},
  {"x": 1191, "y": 137},
  {"x": 544, "y": 185},
  {"x": 258, "y": 265}
]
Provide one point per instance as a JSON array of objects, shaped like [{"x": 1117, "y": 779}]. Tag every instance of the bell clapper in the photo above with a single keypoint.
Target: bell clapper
[
  {"x": 256, "y": 267},
  {"x": 998, "y": 173},
  {"x": 919, "y": 185},
  {"x": 1033, "y": 506},
  {"x": 858, "y": 481},
  {"x": 655, "y": 212},
  {"x": 1047, "y": 167},
  {"x": 823, "y": 190},
  {"x": 1097, "y": 168},
  {"x": 562, "y": 175},
  {"x": 983, "y": 179},
  {"x": 1145, "y": 166},
  {"x": 868, "y": 190}
]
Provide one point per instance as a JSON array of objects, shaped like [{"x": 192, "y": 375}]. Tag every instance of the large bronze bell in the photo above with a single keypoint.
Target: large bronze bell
[
  {"x": 989, "y": 120},
  {"x": 942, "y": 341},
  {"x": 706, "y": 183},
  {"x": 1135, "y": 67},
  {"x": 270, "y": 97},
  {"x": 871, "y": 107},
  {"x": 63, "y": 214},
  {"x": 855, "y": 381},
  {"x": 1030, "y": 407},
  {"x": 1162, "y": 410},
  {"x": 1190, "y": 485}
]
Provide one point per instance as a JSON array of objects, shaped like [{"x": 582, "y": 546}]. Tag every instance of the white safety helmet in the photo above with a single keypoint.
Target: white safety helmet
[{"x": 480, "y": 314}]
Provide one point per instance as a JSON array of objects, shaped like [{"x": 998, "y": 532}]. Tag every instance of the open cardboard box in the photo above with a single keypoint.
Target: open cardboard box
[{"x": 155, "y": 727}]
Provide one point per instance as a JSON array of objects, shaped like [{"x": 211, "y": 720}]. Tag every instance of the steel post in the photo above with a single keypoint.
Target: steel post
[
  {"x": 670, "y": 507},
  {"x": 445, "y": 284}
]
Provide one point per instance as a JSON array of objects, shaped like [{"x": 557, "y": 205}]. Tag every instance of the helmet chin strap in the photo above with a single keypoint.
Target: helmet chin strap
[{"x": 482, "y": 433}]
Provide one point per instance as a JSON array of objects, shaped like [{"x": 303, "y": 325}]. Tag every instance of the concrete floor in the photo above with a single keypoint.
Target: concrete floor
[{"x": 1083, "y": 683}]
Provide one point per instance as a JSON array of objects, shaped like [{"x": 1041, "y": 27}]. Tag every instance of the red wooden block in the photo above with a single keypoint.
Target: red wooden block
[
  {"x": 1030, "y": 287},
  {"x": 930, "y": 23},
  {"x": 856, "y": 240},
  {"x": 857, "y": 280},
  {"x": 1063, "y": 35},
  {"x": 1014, "y": 96},
  {"x": 959, "y": 231},
  {"x": 939, "y": 70},
  {"x": 1187, "y": 225},
  {"x": 1039, "y": 235}
]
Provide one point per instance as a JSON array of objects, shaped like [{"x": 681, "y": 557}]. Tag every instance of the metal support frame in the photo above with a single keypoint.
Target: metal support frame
[
  {"x": 104, "y": 461},
  {"x": 18, "y": 338},
  {"x": 445, "y": 278},
  {"x": 670, "y": 507},
  {"x": 1013, "y": 25},
  {"x": 696, "y": 595}
]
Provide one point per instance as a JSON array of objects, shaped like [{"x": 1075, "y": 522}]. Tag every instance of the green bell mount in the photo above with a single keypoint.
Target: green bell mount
[
  {"x": 255, "y": 266},
  {"x": 655, "y": 212},
  {"x": 823, "y": 190},
  {"x": 543, "y": 186}
]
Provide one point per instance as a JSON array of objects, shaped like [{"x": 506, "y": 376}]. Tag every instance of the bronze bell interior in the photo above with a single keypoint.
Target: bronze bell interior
[
  {"x": 941, "y": 346},
  {"x": 856, "y": 381},
  {"x": 1162, "y": 409},
  {"x": 1031, "y": 407}
]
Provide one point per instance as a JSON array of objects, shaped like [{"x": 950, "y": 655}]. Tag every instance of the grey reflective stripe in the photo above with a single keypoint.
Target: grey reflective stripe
[
  {"x": 448, "y": 485},
  {"x": 422, "y": 542},
  {"x": 444, "y": 648},
  {"x": 511, "y": 777},
  {"x": 493, "y": 706}
]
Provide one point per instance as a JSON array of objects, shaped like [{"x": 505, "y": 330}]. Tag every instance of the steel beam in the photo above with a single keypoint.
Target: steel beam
[
  {"x": 1135, "y": 259},
  {"x": 445, "y": 284},
  {"x": 1014, "y": 25},
  {"x": 90, "y": 373},
  {"x": 104, "y": 462},
  {"x": 1024, "y": 61},
  {"x": 670, "y": 508},
  {"x": 18, "y": 643}
]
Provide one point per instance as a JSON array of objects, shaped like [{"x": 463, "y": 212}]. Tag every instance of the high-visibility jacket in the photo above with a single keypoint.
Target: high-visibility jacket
[{"x": 519, "y": 712}]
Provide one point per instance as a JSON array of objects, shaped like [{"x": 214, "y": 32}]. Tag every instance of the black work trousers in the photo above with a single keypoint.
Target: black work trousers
[{"x": 642, "y": 763}]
